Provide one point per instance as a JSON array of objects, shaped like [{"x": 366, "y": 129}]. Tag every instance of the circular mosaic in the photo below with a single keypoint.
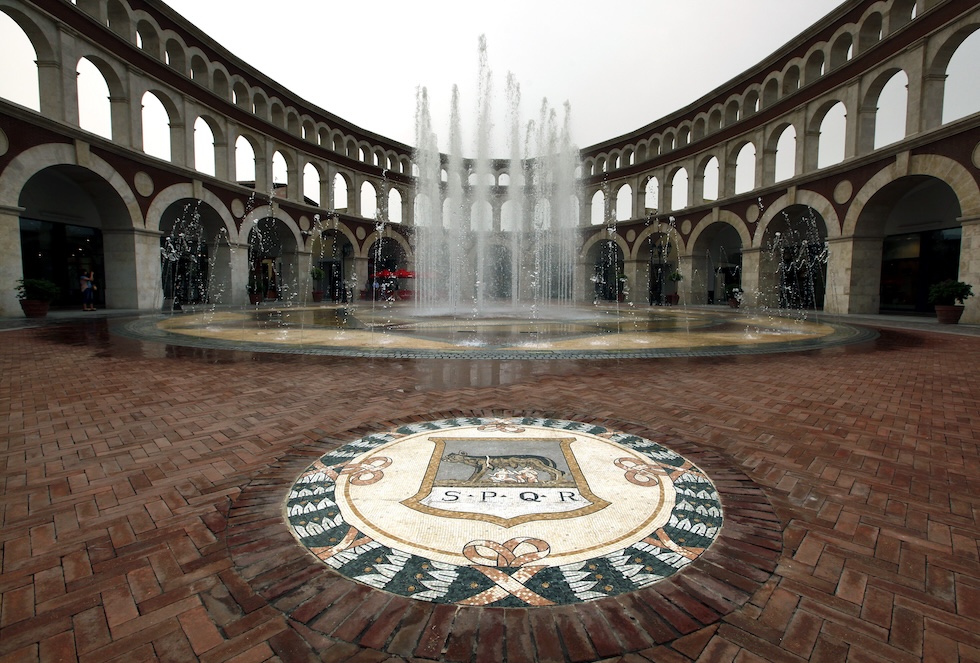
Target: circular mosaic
[{"x": 504, "y": 512}]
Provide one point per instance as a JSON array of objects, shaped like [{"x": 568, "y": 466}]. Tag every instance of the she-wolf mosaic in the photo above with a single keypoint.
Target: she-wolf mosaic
[{"x": 511, "y": 512}]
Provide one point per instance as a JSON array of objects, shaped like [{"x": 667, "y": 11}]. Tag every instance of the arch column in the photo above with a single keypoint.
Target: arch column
[
  {"x": 639, "y": 209},
  {"x": 853, "y": 275},
  {"x": 231, "y": 266},
  {"x": 12, "y": 265},
  {"x": 53, "y": 93},
  {"x": 808, "y": 152},
  {"x": 867, "y": 121},
  {"x": 752, "y": 280},
  {"x": 361, "y": 282},
  {"x": 63, "y": 78},
  {"x": 132, "y": 263},
  {"x": 970, "y": 265},
  {"x": 583, "y": 289},
  {"x": 931, "y": 102},
  {"x": 637, "y": 273}
]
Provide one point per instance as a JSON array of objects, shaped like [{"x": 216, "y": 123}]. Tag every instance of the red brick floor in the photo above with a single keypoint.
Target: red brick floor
[{"x": 130, "y": 473}]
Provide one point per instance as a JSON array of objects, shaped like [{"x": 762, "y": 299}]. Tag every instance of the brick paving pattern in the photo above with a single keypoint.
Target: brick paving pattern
[{"x": 139, "y": 487}]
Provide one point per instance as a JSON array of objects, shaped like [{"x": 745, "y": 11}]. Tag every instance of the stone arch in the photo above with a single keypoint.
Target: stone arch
[
  {"x": 241, "y": 95},
  {"x": 650, "y": 190},
  {"x": 260, "y": 103},
  {"x": 901, "y": 13},
  {"x": 396, "y": 237},
  {"x": 793, "y": 263},
  {"x": 624, "y": 202},
  {"x": 699, "y": 128},
  {"x": 806, "y": 198},
  {"x": 949, "y": 43},
  {"x": 174, "y": 193},
  {"x": 38, "y": 32},
  {"x": 199, "y": 70},
  {"x": 653, "y": 229},
  {"x": 956, "y": 176},
  {"x": 724, "y": 216},
  {"x": 321, "y": 171},
  {"x": 815, "y": 67},
  {"x": 343, "y": 183},
  {"x": 842, "y": 50},
  {"x": 733, "y": 174},
  {"x": 269, "y": 212},
  {"x": 148, "y": 35},
  {"x": 791, "y": 79},
  {"x": 709, "y": 190},
  {"x": 716, "y": 257},
  {"x": 714, "y": 119},
  {"x": 175, "y": 53},
  {"x": 113, "y": 72},
  {"x": 770, "y": 92},
  {"x": 870, "y": 32},
  {"x": 683, "y": 134},
  {"x": 170, "y": 104},
  {"x": 293, "y": 121},
  {"x": 771, "y": 152},
  {"x": 220, "y": 82},
  {"x": 733, "y": 111},
  {"x": 120, "y": 19},
  {"x": 750, "y": 103},
  {"x": 277, "y": 113},
  {"x": 870, "y": 125},
  {"x": 33, "y": 160}
]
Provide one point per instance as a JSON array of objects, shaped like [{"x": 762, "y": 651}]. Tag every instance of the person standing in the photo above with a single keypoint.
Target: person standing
[{"x": 87, "y": 282}]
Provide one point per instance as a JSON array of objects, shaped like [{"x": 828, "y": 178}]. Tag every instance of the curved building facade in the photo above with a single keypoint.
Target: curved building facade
[{"x": 785, "y": 184}]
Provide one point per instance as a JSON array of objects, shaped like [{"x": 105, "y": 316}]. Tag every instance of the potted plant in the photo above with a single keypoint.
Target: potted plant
[
  {"x": 36, "y": 295},
  {"x": 944, "y": 295},
  {"x": 316, "y": 273}
]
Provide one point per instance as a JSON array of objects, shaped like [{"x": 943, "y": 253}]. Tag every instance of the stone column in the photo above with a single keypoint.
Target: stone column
[
  {"x": 12, "y": 266},
  {"x": 853, "y": 275},
  {"x": 635, "y": 281},
  {"x": 752, "y": 281},
  {"x": 699, "y": 281},
  {"x": 52, "y": 91},
  {"x": 362, "y": 282},
  {"x": 584, "y": 288},
  {"x": 132, "y": 263},
  {"x": 970, "y": 266}
]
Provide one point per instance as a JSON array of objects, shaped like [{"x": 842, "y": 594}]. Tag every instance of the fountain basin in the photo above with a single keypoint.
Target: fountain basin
[{"x": 587, "y": 332}]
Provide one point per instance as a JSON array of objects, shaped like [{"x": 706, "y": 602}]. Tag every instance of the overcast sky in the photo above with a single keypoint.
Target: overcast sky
[{"x": 620, "y": 63}]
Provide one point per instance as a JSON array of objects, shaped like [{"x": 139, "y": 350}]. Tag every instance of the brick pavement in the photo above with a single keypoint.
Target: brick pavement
[{"x": 132, "y": 475}]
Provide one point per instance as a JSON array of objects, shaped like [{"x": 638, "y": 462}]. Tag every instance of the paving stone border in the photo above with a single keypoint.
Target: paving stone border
[
  {"x": 327, "y": 608},
  {"x": 145, "y": 328}
]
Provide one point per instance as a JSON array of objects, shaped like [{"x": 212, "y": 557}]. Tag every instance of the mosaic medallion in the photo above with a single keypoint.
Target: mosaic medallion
[{"x": 513, "y": 512}]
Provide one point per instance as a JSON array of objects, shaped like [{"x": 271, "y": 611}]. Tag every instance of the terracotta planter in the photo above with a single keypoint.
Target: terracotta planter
[
  {"x": 34, "y": 308},
  {"x": 317, "y": 295},
  {"x": 254, "y": 298},
  {"x": 948, "y": 315},
  {"x": 733, "y": 302}
]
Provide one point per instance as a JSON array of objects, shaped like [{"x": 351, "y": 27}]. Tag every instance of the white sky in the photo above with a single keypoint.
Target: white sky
[{"x": 620, "y": 63}]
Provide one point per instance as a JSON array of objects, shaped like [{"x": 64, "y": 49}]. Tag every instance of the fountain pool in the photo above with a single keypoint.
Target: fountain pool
[{"x": 587, "y": 332}]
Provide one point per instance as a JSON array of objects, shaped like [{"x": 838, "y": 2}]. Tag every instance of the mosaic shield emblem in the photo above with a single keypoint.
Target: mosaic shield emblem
[
  {"x": 506, "y": 481},
  {"x": 504, "y": 512}
]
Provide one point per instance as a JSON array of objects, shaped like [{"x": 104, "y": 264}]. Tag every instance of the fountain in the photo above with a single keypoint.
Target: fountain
[
  {"x": 495, "y": 285},
  {"x": 469, "y": 262}
]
